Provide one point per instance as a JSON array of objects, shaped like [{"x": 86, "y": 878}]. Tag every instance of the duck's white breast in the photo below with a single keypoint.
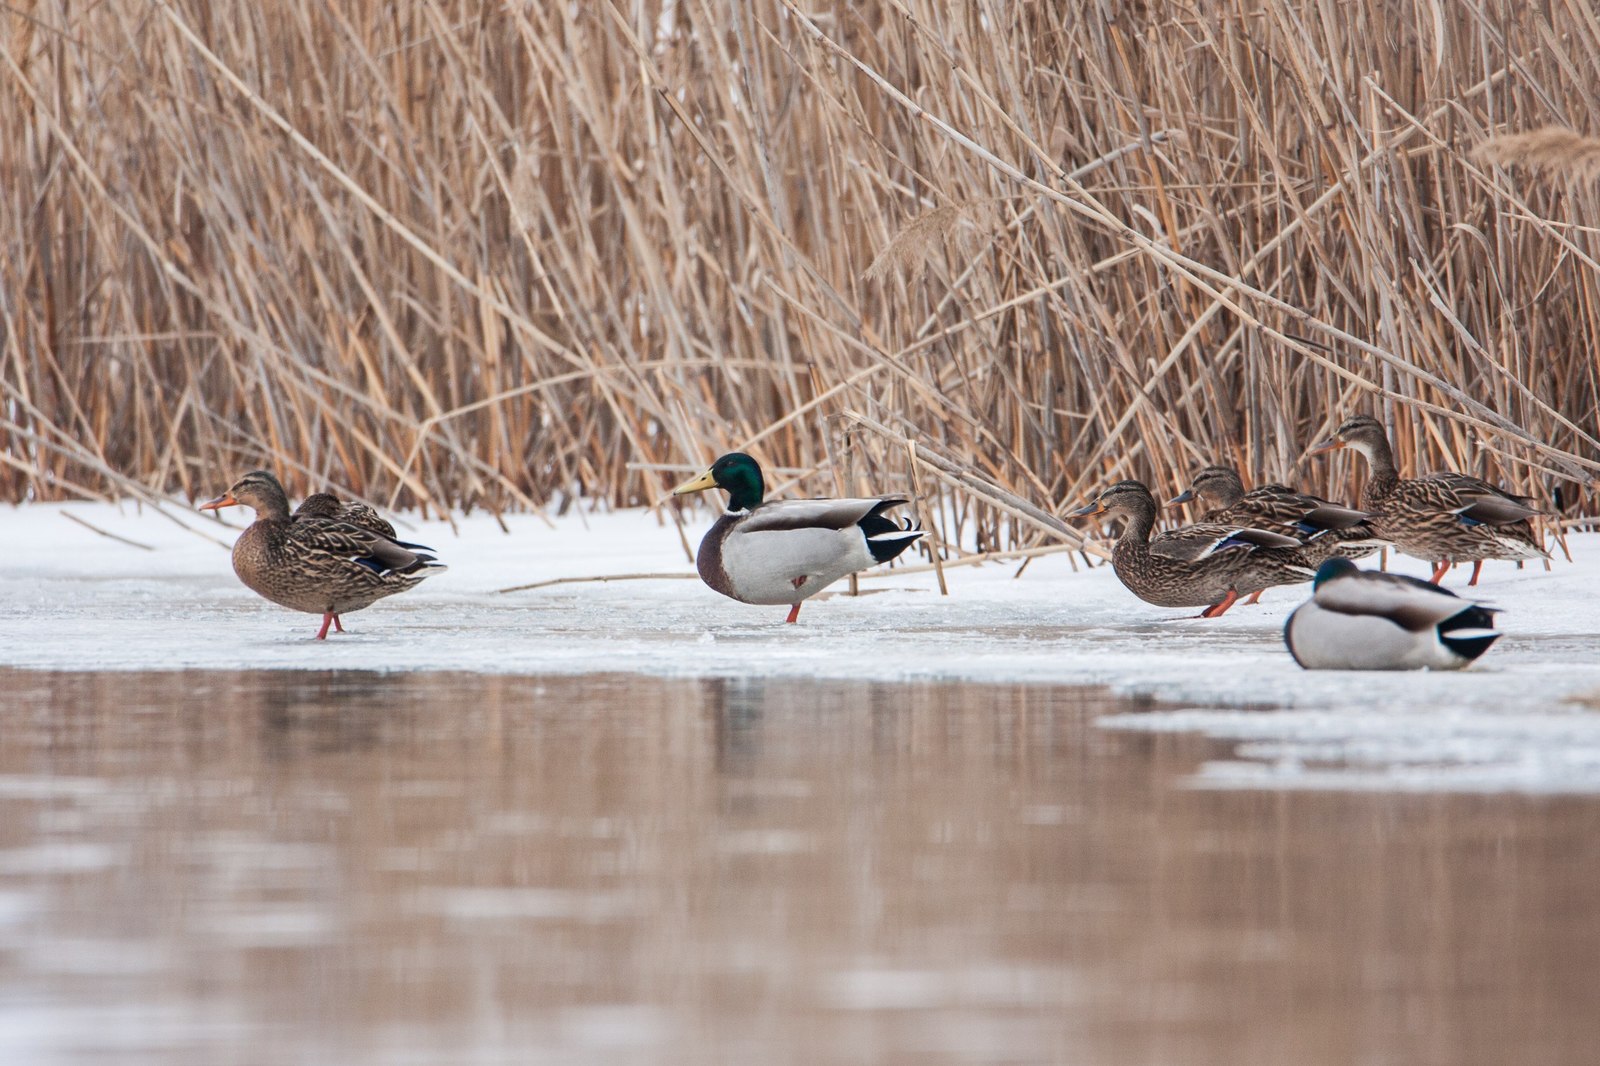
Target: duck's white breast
[{"x": 762, "y": 565}]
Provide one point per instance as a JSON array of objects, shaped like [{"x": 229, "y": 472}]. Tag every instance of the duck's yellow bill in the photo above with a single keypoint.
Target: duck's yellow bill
[
  {"x": 1094, "y": 508},
  {"x": 696, "y": 484}
]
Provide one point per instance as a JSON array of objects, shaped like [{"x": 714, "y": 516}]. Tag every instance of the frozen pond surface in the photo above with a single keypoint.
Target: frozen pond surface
[
  {"x": 71, "y": 599},
  {"x": 279, "y": 867}
]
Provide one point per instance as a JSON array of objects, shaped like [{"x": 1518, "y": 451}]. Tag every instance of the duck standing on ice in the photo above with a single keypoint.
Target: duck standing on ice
[
  {"x": 320, "y": 565},
  {"x": 786, "y": 551}
]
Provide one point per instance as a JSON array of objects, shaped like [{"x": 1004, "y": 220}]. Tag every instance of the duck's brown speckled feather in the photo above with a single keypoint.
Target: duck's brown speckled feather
[
  {"x": 328, "y": 506},
  {"x": 1325, "y": 529}
]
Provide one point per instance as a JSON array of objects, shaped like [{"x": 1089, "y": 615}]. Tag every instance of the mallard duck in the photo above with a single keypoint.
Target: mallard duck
[
  {"x": 1327, "y": 529},
  {"x": 786, "y": 551},
  {"x": 1218, "y": 563},
  {"x": 1443, "y": 518},
  {"x": 1365, "y": 620},
  {"x": 312, "y": 563}
]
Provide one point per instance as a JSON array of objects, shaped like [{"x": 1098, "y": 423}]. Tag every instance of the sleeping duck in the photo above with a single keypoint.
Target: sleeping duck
[
  {"x": 1365, "y": 620},
  {"x": 786, "y": 551}
]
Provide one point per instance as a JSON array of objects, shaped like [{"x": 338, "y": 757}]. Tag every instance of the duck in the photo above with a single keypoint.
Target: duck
[
  {"x": 1445, "y": 518},
  {"x": 1366, "y": 620},
  {"x": 786, "y": 551},
  {"x": 1217, "y": 563},
  {"x": 313, "y": 563},
  {"x": 1326, "y": 529}
]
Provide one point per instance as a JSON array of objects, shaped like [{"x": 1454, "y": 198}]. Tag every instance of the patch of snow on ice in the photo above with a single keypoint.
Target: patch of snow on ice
[{"x": 72, "y": 599}]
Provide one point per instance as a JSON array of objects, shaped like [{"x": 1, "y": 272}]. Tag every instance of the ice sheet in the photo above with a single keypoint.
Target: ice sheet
[{"x": 75, "y": 599}]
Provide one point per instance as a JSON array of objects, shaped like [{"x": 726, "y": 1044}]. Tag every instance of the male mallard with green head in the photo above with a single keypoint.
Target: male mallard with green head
[
  {"x": 1443, "y": 518},
  {"x": 316, "y": 564},
  {"x": 786, "y": 551},
  {"x": 1220, "y": 563}
]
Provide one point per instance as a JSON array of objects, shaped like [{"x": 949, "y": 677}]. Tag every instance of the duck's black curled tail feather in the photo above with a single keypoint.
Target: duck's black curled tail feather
[
  {"x": 887, "y": 538},
  {"x": 1469, "y": 647},
  {"x": 1470, "y": 632}
]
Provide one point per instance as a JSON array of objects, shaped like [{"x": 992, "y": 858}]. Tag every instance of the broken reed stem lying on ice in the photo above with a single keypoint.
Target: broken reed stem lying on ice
[{"x": 974, "y": 559}]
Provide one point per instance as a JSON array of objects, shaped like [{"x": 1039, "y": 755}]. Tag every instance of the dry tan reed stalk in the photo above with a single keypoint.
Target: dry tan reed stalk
[{"x": 457, "y": 257}]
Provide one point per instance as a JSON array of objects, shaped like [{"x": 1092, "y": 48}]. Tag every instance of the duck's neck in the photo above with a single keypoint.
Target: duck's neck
[
  {"x": 1137, "y": 526},
  {"x": 1385, "y": 478},
  {"x": 272, "y": 507}
]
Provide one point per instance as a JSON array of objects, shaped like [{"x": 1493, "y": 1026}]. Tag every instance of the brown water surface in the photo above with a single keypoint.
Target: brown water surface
[{"x": 355, "y": 868}]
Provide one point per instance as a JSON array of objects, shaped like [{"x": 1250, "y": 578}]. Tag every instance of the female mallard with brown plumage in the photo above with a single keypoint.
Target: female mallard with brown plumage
[
  {"x": 1443, "y": 518},
  {"x": 1327, "y": 529},
  {"x": 786, "y": 551},
  {"x": 316, "y": 564},
  {"x": 1226, "y": 560}
]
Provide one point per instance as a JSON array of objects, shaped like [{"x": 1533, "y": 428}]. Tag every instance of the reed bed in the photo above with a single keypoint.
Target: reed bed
[{"x": 456, "y": 256}]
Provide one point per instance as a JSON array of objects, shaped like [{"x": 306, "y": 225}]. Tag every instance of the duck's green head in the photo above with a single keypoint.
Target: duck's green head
[
  {"x": 735, "y": 473},
  {"x": 1336, "y": 567}
]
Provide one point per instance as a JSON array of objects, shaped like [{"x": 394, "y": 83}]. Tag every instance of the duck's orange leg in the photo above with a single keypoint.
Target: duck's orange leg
[
  {"x": 1476, "y": 567},
  {"x": 328, "y": 618},
  {"x": 1255, "y": 598},
  {"x": 1439, "y": 568},
  {"x": 1216, "y": 609},
  {"x": 794, "y": 614}
]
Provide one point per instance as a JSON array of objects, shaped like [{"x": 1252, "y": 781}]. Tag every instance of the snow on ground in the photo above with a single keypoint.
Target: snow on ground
[{"x": 74, "y": 599}]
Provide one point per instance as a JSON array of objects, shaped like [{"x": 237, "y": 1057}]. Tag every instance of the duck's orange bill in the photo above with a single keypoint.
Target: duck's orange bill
[
  {"x": 1094, "y": 508},
  {"x": 1327, "y": 446},
  {"x": 225, "y": 500}
]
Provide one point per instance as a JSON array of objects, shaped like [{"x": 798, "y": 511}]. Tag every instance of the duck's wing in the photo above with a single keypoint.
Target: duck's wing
[
  {"x": 1473, "y": 499},
  {"x": 1203, "y": 539},
  {"x": 1182, "y": 544},
  {"x": 326, "y": 543},
  {"x": 1476, "y": 486},
  {"x": 1495, "y": 511},
  {"x": 1284, "y": 507},
  {"x": 1409, "y": 603},
  {"x": 815, "y": 514},
  {"x": 364, "y": 517}
]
